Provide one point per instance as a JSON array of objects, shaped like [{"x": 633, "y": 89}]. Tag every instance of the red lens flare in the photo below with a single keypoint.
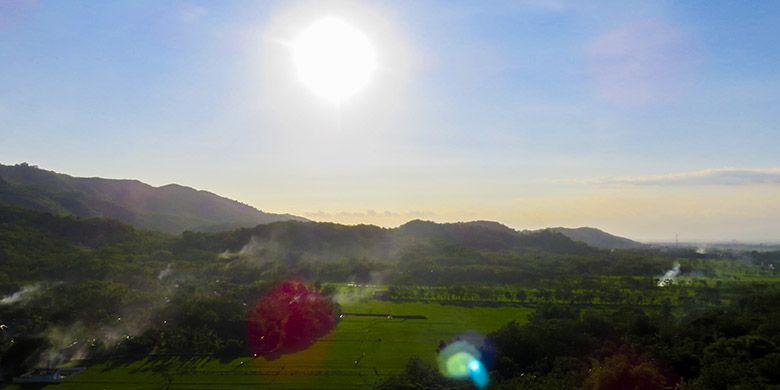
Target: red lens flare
[{"x": 290, "y": 318}]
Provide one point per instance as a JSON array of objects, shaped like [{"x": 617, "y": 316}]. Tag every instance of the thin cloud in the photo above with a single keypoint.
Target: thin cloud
[
  {"x": 646, "y": 61},
  {"x": 545, "y": 5},
  {"x": 714, "y": 176},
  {"x": 14, "y": 11},
  {"x": 324, "y": 215},
  {"x": 192, "y": 13}
]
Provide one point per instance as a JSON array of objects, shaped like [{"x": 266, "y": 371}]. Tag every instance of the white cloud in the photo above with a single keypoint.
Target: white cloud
[{"x": 713, "y": 176}]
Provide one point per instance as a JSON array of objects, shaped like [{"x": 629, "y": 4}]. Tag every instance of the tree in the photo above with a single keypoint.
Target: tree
[{"x": 625, "y": 370}]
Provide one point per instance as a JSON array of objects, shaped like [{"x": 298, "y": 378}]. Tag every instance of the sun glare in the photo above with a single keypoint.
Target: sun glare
[{"x": 334, "y": 59}]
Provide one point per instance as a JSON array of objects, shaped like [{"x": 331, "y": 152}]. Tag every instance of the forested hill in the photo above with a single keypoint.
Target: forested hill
[
  {"x": 327, "y": 241},
  {"x": 172, "y": 208},
  {"x": 36, "y": 245},
  {"x": 598, "y": 238},
  {"x": 490, "y": 236}
]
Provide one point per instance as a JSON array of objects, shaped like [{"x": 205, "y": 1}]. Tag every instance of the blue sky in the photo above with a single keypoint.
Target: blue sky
[{"x": 533, "y": 113}]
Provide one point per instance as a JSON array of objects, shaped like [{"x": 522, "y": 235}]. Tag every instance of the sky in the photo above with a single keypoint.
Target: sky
[{"x": 645, "y": 119}]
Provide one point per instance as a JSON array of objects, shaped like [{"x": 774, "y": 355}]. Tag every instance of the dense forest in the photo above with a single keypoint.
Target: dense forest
[
  {"x": 729, "y": 347},
  {"x": 99, "y": 289}
]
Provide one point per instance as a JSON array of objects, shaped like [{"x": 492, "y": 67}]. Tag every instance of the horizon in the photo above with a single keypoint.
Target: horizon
[
  {"x": 690, "y": 241},
  {"x": 643, "y": 120}
]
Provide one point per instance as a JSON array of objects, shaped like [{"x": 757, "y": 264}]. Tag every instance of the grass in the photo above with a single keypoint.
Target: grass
[{"x": 360, "y": 352}]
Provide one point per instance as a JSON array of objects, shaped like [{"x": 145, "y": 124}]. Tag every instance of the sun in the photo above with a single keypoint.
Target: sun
[{"x": 334, "y": 59}]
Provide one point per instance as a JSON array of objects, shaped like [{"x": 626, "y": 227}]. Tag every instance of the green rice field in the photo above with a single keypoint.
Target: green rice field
[{"x": 361, "y": 352}]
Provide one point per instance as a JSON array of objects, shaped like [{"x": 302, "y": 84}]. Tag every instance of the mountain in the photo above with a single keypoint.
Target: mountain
[
  {"x": 171, "y": 208},
  {"x": 598, "y": 238},
  {"x": 327, "y": 242},
  {"x": 478, "y": 235},
  {"x": 488, "y": 235}
]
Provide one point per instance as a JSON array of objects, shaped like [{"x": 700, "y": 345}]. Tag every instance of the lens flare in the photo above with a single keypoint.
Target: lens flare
[
  {"x": 462, "y": 360},
  {"x": 478, "y": 374},
  {"x": 457, "y": 365},
  {"x": 289, "y": 318}
]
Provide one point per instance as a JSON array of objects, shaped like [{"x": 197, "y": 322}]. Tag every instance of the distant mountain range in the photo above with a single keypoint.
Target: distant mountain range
[
  {"x": 323, "y": 241},
  {"x": 172, "y": 208},
  {"x": 483, "y": 233}
]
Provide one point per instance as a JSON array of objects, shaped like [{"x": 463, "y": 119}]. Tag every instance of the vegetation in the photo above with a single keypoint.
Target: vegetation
[
  {"x": 145, "y": 306},
  {"x": 736, "y": 346}
]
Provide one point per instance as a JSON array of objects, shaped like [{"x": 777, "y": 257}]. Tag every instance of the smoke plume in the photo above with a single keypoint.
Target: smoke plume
[
  {"x": 165, "y": 273},
  {"x": 669, "y": 276},
  {"x": 20, "y": 295}
]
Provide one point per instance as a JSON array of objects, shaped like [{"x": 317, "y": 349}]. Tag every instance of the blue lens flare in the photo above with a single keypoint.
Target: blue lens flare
[{"x": 478, "y": 374}]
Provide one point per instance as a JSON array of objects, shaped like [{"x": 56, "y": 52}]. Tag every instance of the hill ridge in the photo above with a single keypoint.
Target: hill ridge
[
  {"x": 598, "y": 238},
  {"x": 170, "y": 208}
]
